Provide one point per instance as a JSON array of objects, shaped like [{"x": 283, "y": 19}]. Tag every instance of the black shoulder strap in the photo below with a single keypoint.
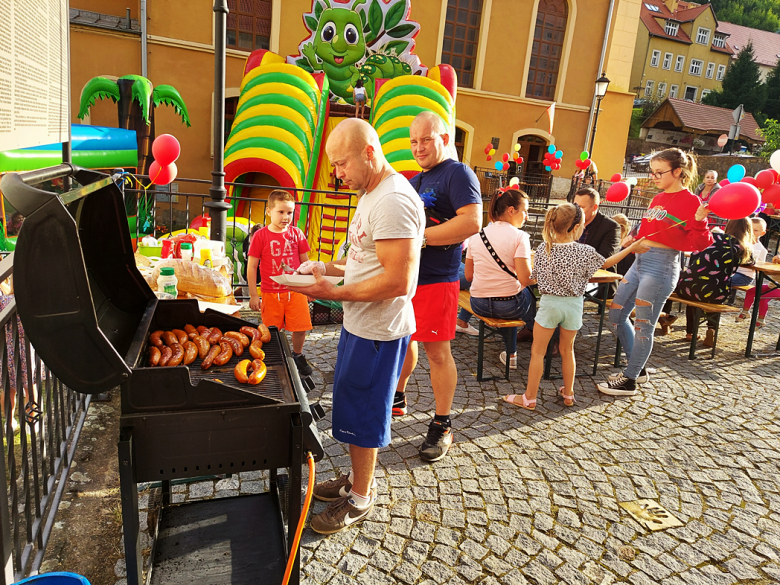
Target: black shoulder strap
[{"x": 495, "y": 256}]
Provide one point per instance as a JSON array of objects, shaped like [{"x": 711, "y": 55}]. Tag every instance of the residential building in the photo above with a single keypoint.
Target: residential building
[
  {"x": 679, "y": 45},
  {"x": 766, "y": 44},
  {"x": 513, "y": 59}
]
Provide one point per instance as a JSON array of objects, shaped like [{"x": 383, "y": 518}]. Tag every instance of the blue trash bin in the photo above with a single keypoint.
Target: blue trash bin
[{"x": 56, "y": 579}]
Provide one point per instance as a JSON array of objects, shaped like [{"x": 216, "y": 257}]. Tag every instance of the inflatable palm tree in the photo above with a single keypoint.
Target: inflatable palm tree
[{"x": 137, "y": 100}]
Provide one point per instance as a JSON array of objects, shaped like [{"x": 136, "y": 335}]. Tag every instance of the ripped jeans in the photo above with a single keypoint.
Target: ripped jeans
[{"x": 648, "y": 284}]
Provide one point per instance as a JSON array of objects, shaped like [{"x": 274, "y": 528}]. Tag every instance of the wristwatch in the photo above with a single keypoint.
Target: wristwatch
[{"x": 424, "y": 242}]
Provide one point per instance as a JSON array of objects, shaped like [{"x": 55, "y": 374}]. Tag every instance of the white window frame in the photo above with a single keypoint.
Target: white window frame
[
  {"x": 696, "y": 67},
  {"x": 673, "y": 89},
  {"x": 719, "y": 41},
  {"x": 655, "y": 59},
  {"x": 661, "y": 90},
  {"x": 679, "y": 63},
  {"x": 695, "y": 92},
  {"x": 649, "y": 88},
  {"x": 703, "y": 36},
  {"x": 671, "y": 28},
  {"x": 667, "y": 63},
  {"x": 710, "y": 70},
  {"x": 721, "y": 73},
  {"x": 704, "y": 93}
]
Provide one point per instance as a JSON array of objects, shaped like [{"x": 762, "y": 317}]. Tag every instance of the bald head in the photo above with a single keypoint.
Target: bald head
[
  {"x": 430, "y": 120},
  {"x": 354, "y": 134},
  {"x": 429, "y": 139},
  {"x": 355, "y": 153}
]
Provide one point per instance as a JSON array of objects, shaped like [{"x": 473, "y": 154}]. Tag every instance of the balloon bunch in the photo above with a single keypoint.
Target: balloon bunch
[
  {"x": 490, "y": 151},
  {"x": 552, "y": 158},
  {"x": 503, "y": 164},
  {"x": 584, "y": 161},
  {"x": 620, "y": 189},
  {"x": 741, "y": 195},
  {"x": 166, "y": 150}
]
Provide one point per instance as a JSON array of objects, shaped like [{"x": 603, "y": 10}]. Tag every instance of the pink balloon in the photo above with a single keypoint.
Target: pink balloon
[
  {"x": 618, "y": 192},
  {"x": 162, "y": 175},
  {"x": 166, "y": 149},
  {"x": 765, "y": 179},
  {"x": 616, "y": 178},
  {"x": 724, "y": 182},
  {"x": 771, "y": 194},
  {"x": 735, "y": 200}
]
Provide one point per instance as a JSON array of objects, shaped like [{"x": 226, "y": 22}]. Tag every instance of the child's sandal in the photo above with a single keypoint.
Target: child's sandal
[
  {"x": 524, "y": 402},
  {"x": 568, "y": 399}
]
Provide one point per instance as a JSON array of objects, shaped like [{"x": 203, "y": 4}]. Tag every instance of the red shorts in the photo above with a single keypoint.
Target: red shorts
[{"x": 435, "y": 309}]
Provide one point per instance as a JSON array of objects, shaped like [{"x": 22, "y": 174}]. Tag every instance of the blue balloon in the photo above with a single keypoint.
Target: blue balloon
[
  {"x": 499, "y": 165},
  {"x": 559, "y": 154},
  {"x": 736, "y": 173},
  {"x": 551, "y": 149},
  {"x": 546, "y": 168}
]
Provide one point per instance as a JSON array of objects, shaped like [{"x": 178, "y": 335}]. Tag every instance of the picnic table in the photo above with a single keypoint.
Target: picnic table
[{"x": 768, "y": 271}]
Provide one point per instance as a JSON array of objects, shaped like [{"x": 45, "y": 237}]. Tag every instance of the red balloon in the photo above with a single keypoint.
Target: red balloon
[
  {"x": 765, "y": 179},
  {"x": 724, "y": 182},
  {"x": 487, "y": 150},
  {"x": 519, "y": 160},
  {"x": 165, "y": 149},
  {"x": 506, "y": 166},
  {"x": 616, "y": 178},
  {"x": 489, "y": 157},
  {"x": 160, "y": 175},
  {"x": 775, "y": 174},
  {"x": 750, "y": 181},
  {"x": 505, "y": 157},
  {"x": 771, "y": 194},
  {"x": 735, "y": 200},
  {"x": 618, "y": 192},
  {"x": 586, "y": 163}
]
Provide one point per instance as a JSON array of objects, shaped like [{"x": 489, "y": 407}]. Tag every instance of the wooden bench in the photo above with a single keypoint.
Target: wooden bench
[
  {"x": 701, "y": 310},
  {"x": 493, "y": 327}
]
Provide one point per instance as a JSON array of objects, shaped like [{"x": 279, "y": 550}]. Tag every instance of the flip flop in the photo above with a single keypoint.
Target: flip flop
[
  {"x": 568, "y": 400},
  {"x": 524, "y": 403}
]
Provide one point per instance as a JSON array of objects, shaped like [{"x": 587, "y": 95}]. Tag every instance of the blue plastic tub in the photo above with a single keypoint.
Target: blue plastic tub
[{"x": 56, "y": 579}]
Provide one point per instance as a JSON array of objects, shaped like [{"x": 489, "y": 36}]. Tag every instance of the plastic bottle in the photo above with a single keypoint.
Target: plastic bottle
[
  {"x": 167, "y": 282},
  {"x": 186, "y": 251}
]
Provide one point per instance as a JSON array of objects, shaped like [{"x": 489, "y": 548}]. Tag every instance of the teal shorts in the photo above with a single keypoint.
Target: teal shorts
[{"x": 564, "y": 311}]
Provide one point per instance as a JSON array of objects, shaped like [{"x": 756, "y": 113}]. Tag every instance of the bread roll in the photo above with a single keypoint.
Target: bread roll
[{"x": 196, "y": 279}]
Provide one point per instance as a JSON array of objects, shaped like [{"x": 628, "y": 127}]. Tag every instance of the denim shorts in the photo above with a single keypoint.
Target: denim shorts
[{"x": 564, "y": 311}]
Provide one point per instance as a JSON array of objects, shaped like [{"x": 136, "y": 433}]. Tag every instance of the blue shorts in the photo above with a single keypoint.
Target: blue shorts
[
  {"x": 364, "y": 383},
  {"x": 564, "y": 311}
]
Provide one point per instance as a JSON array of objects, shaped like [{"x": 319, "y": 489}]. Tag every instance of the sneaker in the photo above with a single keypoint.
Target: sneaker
[
  {"x": 620, "y": 386},
  {"x": 340, "y": 514},
  {"x": 468, "y": 330},
  {"x": 512, "y": 360},
  {"x": 743, "y": 317},
  {"x": 436, "y": 443},
  {"x": 643, "y": 378},
  {"x": 399, "y": 406},
  {"x": 304, "y": 367},
  {"x": 333, "y": 489}
]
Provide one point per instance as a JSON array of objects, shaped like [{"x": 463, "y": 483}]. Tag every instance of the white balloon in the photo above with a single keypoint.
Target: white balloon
[
  {"x": 514, "y": 181},
  {"x": 774, "y": 160},
  {"x": 632, "y": 180}
]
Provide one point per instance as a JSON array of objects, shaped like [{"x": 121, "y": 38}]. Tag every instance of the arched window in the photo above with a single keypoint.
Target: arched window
[{"x": 547, "y": 49}]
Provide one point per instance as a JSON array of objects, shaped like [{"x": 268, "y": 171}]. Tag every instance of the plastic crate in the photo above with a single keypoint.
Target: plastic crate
[
  {"x": 325, "y": 314},
  {"x": 56, "y": 579}
]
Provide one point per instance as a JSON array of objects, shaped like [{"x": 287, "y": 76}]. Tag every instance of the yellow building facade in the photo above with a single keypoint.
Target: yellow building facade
[
  {"x": 513, "y": 61},
  {"x": 680, "y": 51}
]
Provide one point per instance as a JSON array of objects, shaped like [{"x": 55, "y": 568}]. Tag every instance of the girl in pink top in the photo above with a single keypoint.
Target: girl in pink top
[{"x": 498, "y": 261}]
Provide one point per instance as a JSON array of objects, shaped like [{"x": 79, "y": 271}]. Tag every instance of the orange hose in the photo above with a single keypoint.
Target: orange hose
[{"x": 301, "y": 522}]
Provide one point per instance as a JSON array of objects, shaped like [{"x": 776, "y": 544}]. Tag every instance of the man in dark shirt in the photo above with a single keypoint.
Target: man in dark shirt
[{"x": 601, "y": 232}]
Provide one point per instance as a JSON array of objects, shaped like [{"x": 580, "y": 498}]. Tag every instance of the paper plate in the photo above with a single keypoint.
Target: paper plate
[{"x": 303, "y": 279}]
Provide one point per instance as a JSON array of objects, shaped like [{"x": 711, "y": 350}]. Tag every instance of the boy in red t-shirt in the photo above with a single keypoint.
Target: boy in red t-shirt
[{"x": 279, "y": 243}]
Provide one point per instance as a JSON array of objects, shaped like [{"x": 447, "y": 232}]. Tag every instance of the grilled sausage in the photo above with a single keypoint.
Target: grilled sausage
[
  {"x": 251, "y": 332},
  {"x": 265, "y": 333},
  {"x": 192, "y": 333},
  {"x": 226, "y": 352},
  {"x": 155, "y": 340},
  {"x": 255, "y": 350},
  {"x": 154, "y": 355},
  {"x": 240, "y": 371},
  {"x": 243, "y": 339},
  {"x": 170, "y": 338},
  {"x": 204, "y": 331},
  {"x": 190, "y": 352},
  {"x": 165, "y": 357},
  {"x": 181, "y": 335},
  {"x": 215, "y": 336},
  {"x": 203, "y": 346},
  {"x": 209, "y": 359},
  {"x": 259, "y": 371},
  {"x": 235, "y": 344},
  {"x": 178, "y": 355}
]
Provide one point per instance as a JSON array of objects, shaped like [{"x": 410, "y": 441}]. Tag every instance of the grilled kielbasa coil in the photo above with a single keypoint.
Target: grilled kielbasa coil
[
  {"x": 240, "y": 371},
  {"x": 209, "y": 359},
  {"x": 215, "y": 336},
  {"x": 155, "y": 340},
  {"x": 243, "y": 339},
  {"x": 203, "y": 346},
  {"x": 170, "y": 338},
  {"x": 190, "y": 352},
  {"x": 154, "y": 355},
  {"x": 259, "y": 371},
  {"x": 178, "y": 355},
  {"x": 265, "y": 333},
  {"x": 226, "y": 352},
  {"x": 255, "y": 350},
  {"x": 204, "y": 331},
  {"x": 166, "y": 354},
  {"x": 250, "y": 332},
  {"x": 235, "y": 344},
  {"x": 192, "y": 333},
  {"x": 181, "y": 336}
]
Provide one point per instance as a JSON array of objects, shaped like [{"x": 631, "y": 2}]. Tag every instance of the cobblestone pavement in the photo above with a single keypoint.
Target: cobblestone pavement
[{"x": 533, "y": 497}]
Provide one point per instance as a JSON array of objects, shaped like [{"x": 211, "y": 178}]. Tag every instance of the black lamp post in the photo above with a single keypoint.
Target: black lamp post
[{"x": 602, "y": 83}]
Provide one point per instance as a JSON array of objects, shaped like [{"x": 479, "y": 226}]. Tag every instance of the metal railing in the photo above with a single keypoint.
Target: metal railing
[
  {"x": 537, "y": 186},
  {"x": 38, "y": 455}
]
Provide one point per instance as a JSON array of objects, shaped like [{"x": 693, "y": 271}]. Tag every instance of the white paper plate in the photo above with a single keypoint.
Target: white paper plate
[{"x": 303, "y": 279}]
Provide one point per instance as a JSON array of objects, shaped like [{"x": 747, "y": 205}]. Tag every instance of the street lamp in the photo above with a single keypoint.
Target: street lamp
[{"x": 602, "y": 83}]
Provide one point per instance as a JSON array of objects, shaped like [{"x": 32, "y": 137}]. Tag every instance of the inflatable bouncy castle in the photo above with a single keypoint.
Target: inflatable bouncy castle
[{"x": 288, "y": 107}]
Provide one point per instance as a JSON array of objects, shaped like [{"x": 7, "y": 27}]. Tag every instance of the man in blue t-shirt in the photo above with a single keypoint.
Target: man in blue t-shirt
[{"x": 453, "y": 204}]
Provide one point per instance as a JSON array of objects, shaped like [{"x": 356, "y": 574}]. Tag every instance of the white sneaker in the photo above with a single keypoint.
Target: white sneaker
[
  {"x": 512, "y": 360},
  {"x": 643, "y": 378},
  {"x": 468, "y": 330}
]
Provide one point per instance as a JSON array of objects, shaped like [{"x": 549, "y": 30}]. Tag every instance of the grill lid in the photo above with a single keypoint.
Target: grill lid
[{"x": 79, "y": 294}]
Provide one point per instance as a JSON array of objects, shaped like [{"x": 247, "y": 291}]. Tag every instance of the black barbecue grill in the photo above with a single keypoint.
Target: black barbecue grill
[{"x": 178, "y": 422}]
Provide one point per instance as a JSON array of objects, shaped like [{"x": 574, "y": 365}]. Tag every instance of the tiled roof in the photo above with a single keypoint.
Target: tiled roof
[
  {"x": 712, "y": 119},
  {"x": 690, "y": 14},
  {"x": 648, "y": 18},
  {"x": 766, "y": 44}
]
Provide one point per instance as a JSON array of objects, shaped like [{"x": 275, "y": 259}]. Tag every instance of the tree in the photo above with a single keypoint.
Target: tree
[
  {"x": 771, "y": 133},
  {"x": 136, "y": 104},
  {"x": 741, "y": 85},
  {"x": 761, "y": 14},
  {"x": 772, "y": 106}
]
